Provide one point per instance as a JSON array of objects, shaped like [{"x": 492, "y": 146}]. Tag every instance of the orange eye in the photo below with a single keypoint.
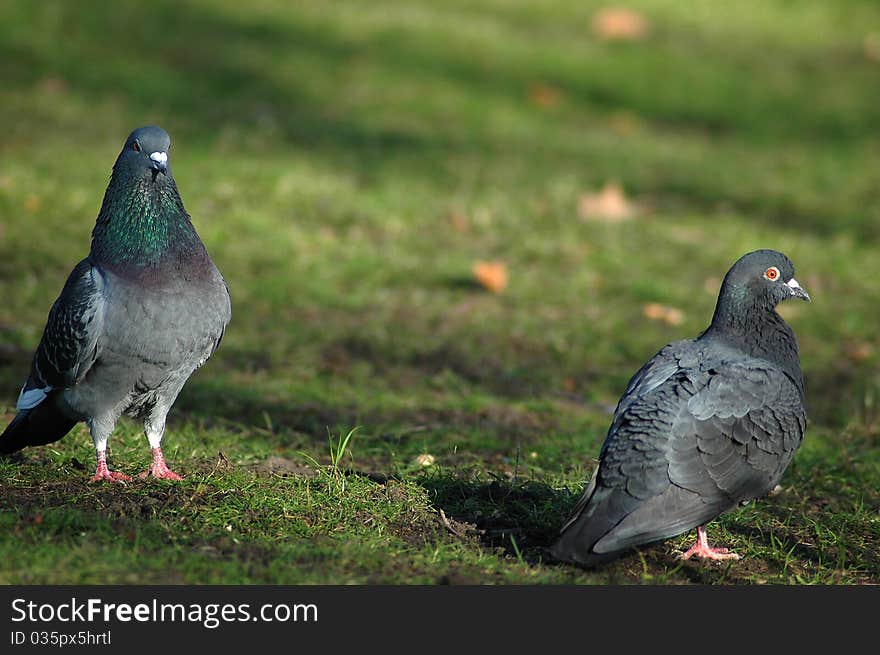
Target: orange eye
[
  {"x": 136, "y": 146},
  {"x": 772, "y": 273}
]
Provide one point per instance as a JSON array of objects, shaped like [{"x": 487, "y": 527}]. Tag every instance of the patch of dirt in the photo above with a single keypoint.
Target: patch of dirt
[
  {"x": 418, "y": 525},
  {"x": 510, "y": 517},
  {"x": 226, "y": 548},
  {"x": 135, "y": 500},
  {"x": 284, "y": 467},
  {"x": 461, "y": 529}
]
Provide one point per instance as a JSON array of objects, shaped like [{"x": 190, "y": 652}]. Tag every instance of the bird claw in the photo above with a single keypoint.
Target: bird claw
[
  {"x": 705, "y": 552},
  {"x": 110, "y": 476},
  {"x": 160, "y": 473},
  {"x": 159, "y": 469}
]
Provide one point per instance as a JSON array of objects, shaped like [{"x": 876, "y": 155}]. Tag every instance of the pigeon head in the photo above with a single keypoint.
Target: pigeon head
[
  {"x": 142, "y": 219},
  {"x": 745, "y": 315},
  {"x": 762, "y": 278},
  {"x": 145, "y": 153},
  {"x": 752, "y": 288}
]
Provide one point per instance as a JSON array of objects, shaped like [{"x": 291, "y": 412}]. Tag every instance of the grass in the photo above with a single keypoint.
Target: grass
[{"x": 346, "y": 164}]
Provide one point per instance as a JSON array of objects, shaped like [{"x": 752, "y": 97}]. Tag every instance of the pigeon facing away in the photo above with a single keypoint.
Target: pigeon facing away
[
  {"x": 705, "y": 425},
  {"x": 145, "y": 309}
]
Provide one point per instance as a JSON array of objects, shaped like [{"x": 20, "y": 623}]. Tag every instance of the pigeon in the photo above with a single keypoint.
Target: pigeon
[
  {"x": 135, "y": 319},
  {"x": 704, "y": 426}
]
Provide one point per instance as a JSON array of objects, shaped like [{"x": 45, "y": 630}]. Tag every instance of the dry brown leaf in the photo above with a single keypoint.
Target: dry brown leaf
[
  {"x": 610, "y": 205},
  {"x": 51, "y": 85},
  {"x": 619, "y": 24},
  {"x": 33, "y": 203},
  {"x": 544, "y": 96},
  {"x": 491, "y": 275},
  {"x": 859, "y": 351},
  {"x": 669, "y": 315},
  {"x": 459, "y": 221},
  {"x": 872, "y": 47}
]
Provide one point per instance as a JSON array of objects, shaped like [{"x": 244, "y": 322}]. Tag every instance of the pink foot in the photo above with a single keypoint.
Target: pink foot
[
  {"x": 159, "y": 469},
  {"x": 703, "y": 550},
  {"x": 103, "y": 473}
]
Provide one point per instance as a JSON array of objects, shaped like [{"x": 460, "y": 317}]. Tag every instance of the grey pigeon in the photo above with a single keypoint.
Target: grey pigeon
[
  {"x": 707, "y": 424},
  {"x": 135, "y": 319}
]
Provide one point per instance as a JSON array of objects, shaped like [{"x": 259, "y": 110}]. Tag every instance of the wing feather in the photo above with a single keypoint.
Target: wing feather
[
  {"x": 694, "y": 434},
  {"x": 71, "y": 342}
]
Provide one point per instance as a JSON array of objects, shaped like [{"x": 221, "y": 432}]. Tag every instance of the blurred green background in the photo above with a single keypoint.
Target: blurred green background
[{"x": 460, "y": 226}]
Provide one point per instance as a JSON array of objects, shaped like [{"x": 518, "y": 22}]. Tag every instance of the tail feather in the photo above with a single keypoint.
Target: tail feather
[
  {"x": 37, "y": 426},
  {"x": 577, "y": 542},
  {"x": 596, "y": 514},
  {"x": 612, "y": 523}
]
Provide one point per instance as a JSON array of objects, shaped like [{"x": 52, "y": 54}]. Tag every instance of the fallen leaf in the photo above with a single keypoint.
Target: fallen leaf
[
  {"x": 33, "y": 203},
  {"x": 872, "y": 47},
  {"x": 669, "y": 315},
  {"x": 544, "y": 96},
  {"x": 459, "y": 221},
  {"x": 425, "y": 460},
  {"x": 491, "y": 275},
  {"x": 609, "y": 205},
  {"x": 51, "y": 85},
  {"x": 619, "y": 24},
  {"x": 859, "y": 351}
]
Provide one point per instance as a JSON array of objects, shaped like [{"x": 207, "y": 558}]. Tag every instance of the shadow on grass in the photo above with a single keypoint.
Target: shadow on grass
[
  {"x": 296, "y": 423},
  {"x": 520, "y": 518},
  {"x": 296, "y": 80}
]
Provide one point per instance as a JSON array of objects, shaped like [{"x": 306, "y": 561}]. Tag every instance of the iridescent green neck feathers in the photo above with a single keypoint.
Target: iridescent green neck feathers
[{"x": 142, "y": 222}]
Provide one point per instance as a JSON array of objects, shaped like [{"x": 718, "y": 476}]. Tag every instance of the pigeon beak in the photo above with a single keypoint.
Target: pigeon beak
[
  {"x": 796, "y": 290},
  {"x": 160, "y": 161}
]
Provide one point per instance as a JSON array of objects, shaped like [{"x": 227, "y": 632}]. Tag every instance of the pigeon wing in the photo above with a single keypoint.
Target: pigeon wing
[
  {"x": 739, "y": 432},
  {"x": 686, "y": 444},
  {"x": 734, "y": 433},
  {"x": 71, "y": 339},
  {"x": 632, "y": 467}
]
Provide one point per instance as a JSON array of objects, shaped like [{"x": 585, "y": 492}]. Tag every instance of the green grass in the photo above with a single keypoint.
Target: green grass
[{"x": 346, "y": 164}]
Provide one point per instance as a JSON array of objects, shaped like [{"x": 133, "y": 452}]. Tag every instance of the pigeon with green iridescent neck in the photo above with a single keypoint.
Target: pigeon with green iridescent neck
[
  {"x": 136, "y": 318},
  {"x": 705, "y": 425}
]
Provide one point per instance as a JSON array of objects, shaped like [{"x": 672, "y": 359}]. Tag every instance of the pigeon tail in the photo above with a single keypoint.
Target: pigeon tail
[
  {"x": 589, "y": 524},
  {"x": 572, "y": 547},
  {"x": 38, "y": 426}
]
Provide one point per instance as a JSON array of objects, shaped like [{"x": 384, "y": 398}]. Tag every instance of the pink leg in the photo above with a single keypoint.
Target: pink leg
[
  {"x": 159, "y": 469},
  {"x": 703, "y": 550},
  {"x": 103, "y": 473}
]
